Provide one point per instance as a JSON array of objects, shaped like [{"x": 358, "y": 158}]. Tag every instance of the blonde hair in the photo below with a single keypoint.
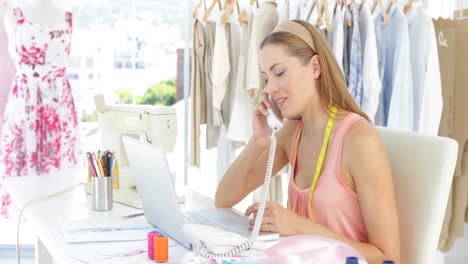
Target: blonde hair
[{"x": 331, "y": 83}]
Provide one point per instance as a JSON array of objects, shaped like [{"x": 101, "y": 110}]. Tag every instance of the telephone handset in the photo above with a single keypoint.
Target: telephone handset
[
  {"x": 224, "y": 246},
  {"x": 274, "y": 115}
]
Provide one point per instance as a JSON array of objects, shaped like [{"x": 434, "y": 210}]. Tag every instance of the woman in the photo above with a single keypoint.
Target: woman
[{"x": 350, "y": 198}]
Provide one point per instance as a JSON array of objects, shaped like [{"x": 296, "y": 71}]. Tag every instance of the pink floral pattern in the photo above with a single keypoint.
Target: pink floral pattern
[{"x": 40, "y": 133}]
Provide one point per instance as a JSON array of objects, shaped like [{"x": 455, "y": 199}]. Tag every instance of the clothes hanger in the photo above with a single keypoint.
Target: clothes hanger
[
  {"x": 320, "y": 15},
  {"x": 229, "y": 11},
  {"x": 252, "y": 1},
  {"x": 362, "y": 4},
  {"x": 374, "y": 4},
  {"x": 244, "y": 12},
  {"x": 345, "y": 4},
  {"x": 408, "y": 6},
  {"x": 195, "y": 12},
  {"x": 382, "y": 10},
  {"x": 314, "y": 3},
  {"x": 324, "y": 9},
  {"x": 390, "y": 4},
  {"x": 337, "y": 2},
  {"x": 349, "y": 21},
  {"x": 208, "y": 12}
]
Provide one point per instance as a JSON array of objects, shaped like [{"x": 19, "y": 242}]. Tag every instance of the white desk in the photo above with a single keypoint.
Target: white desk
[{"x": 76, "y": 204}]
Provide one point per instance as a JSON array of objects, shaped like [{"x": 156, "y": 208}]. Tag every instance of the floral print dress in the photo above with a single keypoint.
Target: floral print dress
[{"x": 40, "y": 133}]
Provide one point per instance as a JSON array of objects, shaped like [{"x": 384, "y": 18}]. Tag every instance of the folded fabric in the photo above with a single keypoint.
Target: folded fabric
[
  {"x": 293, "y": 249},
  {"x": 304, "y": 249}
]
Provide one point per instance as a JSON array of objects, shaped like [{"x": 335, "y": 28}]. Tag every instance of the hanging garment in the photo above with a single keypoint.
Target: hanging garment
[
  {"x": 425, "y": 68},
  {"x": 452, "y": 40},
  {"x": 7, "y": 72},
  {"x": 355, "y": 63},
  {"x": 371, "y": 84},
  {"x": 221, "y": 66},
  {"x": 240, "y": 127},
  {"x": 233, "y": 41},
  {"x": 198, "y": 91},
  {"x": 40, "y": 134},
  {"x": 337, "y": 37},
  {"x": 284, "y": 11},
  {"x": 347, "y": 34},
  {"x": 213, "y": 115},
  {"x": 396, "y": 100},
  {"x": 264, "y": 21},
  {"x": 299, "y": 8}
]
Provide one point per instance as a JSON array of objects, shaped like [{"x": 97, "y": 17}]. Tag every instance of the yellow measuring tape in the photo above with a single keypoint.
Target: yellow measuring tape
[{"x": 323, "y": 151}]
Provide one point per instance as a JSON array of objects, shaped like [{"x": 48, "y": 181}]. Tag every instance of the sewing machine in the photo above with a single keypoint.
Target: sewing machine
[{"x": 154, "y": 124}]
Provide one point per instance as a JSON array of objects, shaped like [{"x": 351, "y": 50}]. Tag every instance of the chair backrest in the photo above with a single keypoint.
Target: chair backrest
[{"x": 422, "y": 169}]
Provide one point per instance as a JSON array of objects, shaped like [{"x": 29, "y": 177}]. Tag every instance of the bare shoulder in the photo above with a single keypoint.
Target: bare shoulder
[
  {"x": 362, "y": 144},
  {"x": 363, "y": 147},
  {"x": 361, "y": 136}
]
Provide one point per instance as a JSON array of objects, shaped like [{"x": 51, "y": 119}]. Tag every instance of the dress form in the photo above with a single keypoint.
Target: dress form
[
  {"x": 50, "y": 13},
  {"x": 44, "y": 12},
  {"x": 40, "y": 134}
]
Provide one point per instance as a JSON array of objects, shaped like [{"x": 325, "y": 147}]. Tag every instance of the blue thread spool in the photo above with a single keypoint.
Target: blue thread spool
[{"x": 352, "y": 260}]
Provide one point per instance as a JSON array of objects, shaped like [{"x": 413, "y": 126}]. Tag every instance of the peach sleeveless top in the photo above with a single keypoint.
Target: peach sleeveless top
[{"x": 335, "y": 204}]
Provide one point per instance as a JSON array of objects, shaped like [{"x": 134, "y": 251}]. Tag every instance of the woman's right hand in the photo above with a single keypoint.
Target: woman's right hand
[{"x": 261, "y": 130}]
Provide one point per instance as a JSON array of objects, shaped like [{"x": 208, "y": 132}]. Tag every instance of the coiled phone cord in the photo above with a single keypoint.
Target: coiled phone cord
[
  {"x": 37, "y": 200},
  {"x": 203, "y": 251}
]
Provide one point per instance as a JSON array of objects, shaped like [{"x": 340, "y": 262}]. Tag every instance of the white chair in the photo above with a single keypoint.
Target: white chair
[{"x": 422, "y": 168}]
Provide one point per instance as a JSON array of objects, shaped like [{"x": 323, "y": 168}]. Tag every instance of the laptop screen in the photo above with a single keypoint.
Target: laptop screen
[{"x": 153, "y": 181}]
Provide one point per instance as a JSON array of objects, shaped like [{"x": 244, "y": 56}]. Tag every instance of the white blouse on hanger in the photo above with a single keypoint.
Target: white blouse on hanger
[
  {"x": 240, "y": 127},
  {"x": 371, "y": 84},
  {"x": 264, "y": 21},
  {"x": 337, "y": 36},
  {"x": 427, "y": 84},
  {"x": 221, "y": 66}
]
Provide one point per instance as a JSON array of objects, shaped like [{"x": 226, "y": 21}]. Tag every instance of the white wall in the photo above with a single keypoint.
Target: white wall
[
  {"x": 442, "y": 8},
  {"x": 461, "y": 4}
]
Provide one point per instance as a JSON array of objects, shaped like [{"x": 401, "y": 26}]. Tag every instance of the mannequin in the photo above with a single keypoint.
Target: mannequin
[
  {"x": 43, "y": 12},
  {"x": 40, "y": 135}
]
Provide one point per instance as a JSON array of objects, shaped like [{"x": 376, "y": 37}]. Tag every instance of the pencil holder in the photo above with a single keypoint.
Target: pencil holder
[{"x": 102, "y": 193}]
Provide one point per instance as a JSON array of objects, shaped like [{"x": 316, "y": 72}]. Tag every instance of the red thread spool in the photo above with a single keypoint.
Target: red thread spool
[{"x": 151, "y": 236}]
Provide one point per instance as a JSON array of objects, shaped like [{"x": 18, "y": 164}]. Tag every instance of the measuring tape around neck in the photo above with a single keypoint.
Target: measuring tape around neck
[{"x": 323, "y": 151}]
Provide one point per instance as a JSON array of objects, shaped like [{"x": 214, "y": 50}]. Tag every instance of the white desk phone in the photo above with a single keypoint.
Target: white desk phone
[{"x": 219, "y": 243}]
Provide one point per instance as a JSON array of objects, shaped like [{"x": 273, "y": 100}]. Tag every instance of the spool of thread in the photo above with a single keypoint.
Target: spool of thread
[
  {"x": 151, "y": 236},
  {"x": 161, "y": 248}
]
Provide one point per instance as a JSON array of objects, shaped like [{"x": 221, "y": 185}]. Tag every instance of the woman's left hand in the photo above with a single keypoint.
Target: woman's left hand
[{"x": 276, "y": 218}]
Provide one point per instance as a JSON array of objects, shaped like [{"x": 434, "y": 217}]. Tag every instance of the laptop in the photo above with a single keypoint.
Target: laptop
[{"x": 159, "y": 200}]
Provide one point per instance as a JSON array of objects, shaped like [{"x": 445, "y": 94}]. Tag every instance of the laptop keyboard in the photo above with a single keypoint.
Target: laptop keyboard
[{"x": 194, "y": 218}]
